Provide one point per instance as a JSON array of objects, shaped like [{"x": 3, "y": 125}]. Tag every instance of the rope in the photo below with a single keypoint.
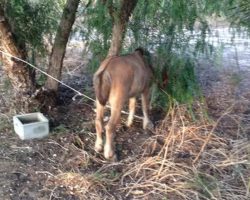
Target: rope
[
  {"x": 19, "y": 59},
  {"x": 76, "y": 91}
]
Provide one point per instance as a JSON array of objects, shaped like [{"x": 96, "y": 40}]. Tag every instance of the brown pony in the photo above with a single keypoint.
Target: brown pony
[{"x": 118, "y": 79}]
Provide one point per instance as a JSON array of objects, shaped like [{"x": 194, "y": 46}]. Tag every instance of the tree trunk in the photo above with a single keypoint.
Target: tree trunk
[
  {"x": 21, "y": 76},
  {"x": 118, "y": 33},
  {"x": 60, "y": 43},
  {"x": 120, "y": 19}
]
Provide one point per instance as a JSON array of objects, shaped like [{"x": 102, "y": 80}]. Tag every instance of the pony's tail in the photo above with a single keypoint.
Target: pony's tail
[{"x": 102, "y": 82}]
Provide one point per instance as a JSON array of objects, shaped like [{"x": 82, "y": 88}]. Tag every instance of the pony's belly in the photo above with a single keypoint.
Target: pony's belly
[{"x": 135, "y": 91}]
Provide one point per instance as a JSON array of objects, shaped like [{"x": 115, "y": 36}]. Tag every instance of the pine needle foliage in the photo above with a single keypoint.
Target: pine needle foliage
[
  {"x": 32, "y": 20},
  {"x": 182, "y": 85},
  {"x": 240, "y": 13},
  {"x": 98, "y": 33},
  {"x": 173, "y": 31}
]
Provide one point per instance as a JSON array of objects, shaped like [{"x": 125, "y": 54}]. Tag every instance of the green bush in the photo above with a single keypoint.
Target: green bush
[{"x": 182, "y": 85}]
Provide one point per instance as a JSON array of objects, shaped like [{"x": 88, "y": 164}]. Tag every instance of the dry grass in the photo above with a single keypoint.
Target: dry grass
[
  {"x": 90, "y": 186},
  {"x": 193, "y": 163},
  {"x": 184, "y": 159}
]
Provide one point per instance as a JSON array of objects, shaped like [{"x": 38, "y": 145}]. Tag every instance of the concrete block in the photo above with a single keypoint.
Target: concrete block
[{"x": 31, "y": 125}]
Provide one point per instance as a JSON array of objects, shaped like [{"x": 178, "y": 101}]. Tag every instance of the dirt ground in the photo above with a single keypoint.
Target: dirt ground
[{"x": 29, "y": 169}]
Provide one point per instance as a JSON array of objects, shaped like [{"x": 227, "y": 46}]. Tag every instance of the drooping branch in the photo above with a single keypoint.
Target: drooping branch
[{"x": 112, "y": 10}]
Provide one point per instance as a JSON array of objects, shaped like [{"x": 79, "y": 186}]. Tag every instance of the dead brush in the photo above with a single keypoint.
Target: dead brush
[
  {"x": 186, "y": 160},
  {"x": 85, "y": 186},
  {"x": 71, "y": 180}
]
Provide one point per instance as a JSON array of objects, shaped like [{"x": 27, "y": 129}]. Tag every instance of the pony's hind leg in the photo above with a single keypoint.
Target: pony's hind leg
[
  {"x": 109, "y": 147},
  {"x": 147, "y": 124},
  {"x": 132, "y": 103},
  {"x": 99, "y": 126}
]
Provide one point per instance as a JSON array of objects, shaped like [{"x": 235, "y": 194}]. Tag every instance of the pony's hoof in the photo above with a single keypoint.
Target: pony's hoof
[
  {"x": 113, "y": 158},
  {"x": 98, "y": 147},
  {"x": 149, "y": 126},
  {"x": 129, "y": 124},
  {"x": 110, "y": 155}
]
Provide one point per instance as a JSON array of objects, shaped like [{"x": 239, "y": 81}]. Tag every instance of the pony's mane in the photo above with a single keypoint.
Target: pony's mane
[
  {"x": 146, "y": 54},
  {"x": 141, "y": 50}
]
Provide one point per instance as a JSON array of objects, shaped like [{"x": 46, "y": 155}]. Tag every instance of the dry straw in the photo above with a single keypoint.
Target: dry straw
[{"x": 183, "y": 159}]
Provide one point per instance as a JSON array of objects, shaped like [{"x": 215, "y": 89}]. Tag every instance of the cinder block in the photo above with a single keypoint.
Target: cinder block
[{"x": 31, "y": 125}]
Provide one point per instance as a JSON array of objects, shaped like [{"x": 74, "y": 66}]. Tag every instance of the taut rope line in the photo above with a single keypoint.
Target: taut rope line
[
  {"x": 19, "y": 59},
  {"x": 43, "y": 72}
]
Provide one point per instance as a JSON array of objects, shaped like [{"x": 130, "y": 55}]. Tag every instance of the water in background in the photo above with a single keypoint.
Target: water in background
[{"x": 234, "y": 47}]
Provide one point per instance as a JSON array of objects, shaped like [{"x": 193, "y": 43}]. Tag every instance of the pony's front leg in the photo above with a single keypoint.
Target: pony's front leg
[{"x": 99, "y": 126}]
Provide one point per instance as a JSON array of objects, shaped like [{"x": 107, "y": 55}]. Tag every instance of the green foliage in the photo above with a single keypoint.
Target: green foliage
[
  {"x": 169, "y": 29},
  {"x": 182, "y": 82},
  {"x": 164, "y": 21},
  {"x": 32, "y": 20},
  {"x": 240, "y": 13},
  {"x": 174, "y": 31},
  {"x": 98, "y": 32}
]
